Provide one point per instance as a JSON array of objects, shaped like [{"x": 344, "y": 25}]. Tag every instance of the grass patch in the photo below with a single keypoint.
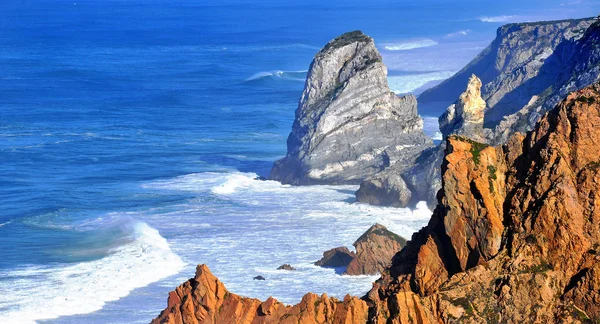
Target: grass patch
[
  {"x": 465, "y": 304},
  {"x": 539, "y": 268},
  {"x": 584, "y": 99},
  {"x": 476, "y": 147}
]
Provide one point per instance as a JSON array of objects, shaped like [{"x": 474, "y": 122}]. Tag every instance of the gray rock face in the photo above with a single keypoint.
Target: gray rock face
[
  {"x": 523, "y": 61},
  {"x": 525, "y": 72},
  {"x": 579, "y": 67},
  {"x": 348, "y": 124},
  {"x": 386, "y": 188},
  {"x": 401, "y": 186}
]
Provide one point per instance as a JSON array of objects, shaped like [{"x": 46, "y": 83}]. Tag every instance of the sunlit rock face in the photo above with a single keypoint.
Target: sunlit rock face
[{"x": 348, "y": 124}]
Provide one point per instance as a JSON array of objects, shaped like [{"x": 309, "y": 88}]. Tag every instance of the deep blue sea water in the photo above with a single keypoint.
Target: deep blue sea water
[{"x": 131, "y": 131}]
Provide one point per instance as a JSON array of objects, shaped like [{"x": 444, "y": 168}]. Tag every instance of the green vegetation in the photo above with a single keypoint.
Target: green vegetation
[
  {"x": 492, "y": 176},
  {"x": 383, "y": 232},
  {"x": 492, "y": 172},
  {"x": 579, "y": 314},
  {"x": 584, "y": 99},
  {"x": 346, "y": 39},
  {"x": 540, "y": 268},
  {"x": 476, "y": 147},
  {"x": 465, "y": 304}
]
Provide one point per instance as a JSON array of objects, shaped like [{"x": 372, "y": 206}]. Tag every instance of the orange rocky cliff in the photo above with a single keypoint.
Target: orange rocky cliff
[{"x": 515, "y": 238}]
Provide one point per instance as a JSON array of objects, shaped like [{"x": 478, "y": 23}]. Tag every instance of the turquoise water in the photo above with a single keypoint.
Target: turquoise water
[{"x": 131, "y": 131}]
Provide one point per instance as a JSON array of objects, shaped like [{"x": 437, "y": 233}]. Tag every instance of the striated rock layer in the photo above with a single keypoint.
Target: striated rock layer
[
  {"x": 515, "y": 238},
  {"x": 348, "y": 124}
]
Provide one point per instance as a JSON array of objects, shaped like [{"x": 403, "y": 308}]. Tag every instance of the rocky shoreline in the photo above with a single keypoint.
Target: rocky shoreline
[
  {"x": 515, "y": 234},
  {"x": 515, "y": 238}
]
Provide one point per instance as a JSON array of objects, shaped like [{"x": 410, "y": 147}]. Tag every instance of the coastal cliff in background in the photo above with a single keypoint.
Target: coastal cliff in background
[
  {"x": 348, "y": 124},
  {"x": 525, "y": 71},
  {"x": 515, "y": 238}
]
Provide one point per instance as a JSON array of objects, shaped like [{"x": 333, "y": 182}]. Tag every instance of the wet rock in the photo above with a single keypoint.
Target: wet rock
[
  {"x": 286, "y": 267},
  {"x": 336, "y": 258}
]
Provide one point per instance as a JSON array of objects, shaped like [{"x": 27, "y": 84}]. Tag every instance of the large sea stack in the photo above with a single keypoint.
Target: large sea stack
[
  {"x": 348, "y": 124},
  {"x": 515, "y": 238}
]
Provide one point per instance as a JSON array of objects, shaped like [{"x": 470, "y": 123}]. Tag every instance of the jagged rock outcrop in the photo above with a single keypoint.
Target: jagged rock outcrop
[
  {"x": 465, "y": 116},
  {"x": 526, "y": 71},
  {"x": 348, "y": 124},
  {"x": 516, "y": 234},
  {"x": 205, "y": 300},
  {"x": 401, "y": 186},
  {"x": 522, "y": 61},
  {"x": 374, "y": 251},
  {"x": 515, "y": 238}
]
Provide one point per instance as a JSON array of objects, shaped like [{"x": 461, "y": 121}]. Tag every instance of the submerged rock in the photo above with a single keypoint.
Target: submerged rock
[
  {"x": 336, "y": 258},
  {"x": 348, "y": 124},
  {"x": 259, "y": 278},
  {"x": 286, "y": 267}
]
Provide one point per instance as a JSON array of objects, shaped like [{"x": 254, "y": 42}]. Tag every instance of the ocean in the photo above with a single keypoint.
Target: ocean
[{"x": 131, "y": 133}]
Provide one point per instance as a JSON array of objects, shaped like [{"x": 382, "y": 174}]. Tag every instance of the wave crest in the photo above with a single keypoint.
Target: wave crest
[
  {"x": 281, "y": 75},
  {"x": 85, "y": 287},
  {"x": 409, "y": 45}
]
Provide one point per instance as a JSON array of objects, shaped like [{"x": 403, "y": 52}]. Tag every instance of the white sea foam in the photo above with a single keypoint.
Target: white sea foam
[
  {"x": 498, "y": 19},
  {"x": 411, "y": 82},
  {"x": 431, "y": 128},
  {"x": 37, "y": 293},
  {"x": 409, "y": 44},
  {"x": 463, "y": 32},
  {"x": 255, "y": 226},
  {"x": 285, "y": 75}
]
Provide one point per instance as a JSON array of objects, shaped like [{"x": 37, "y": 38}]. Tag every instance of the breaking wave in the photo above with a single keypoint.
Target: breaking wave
[
  {"x": 408, "y": 45},
  {"x": 136, "y": 256}
]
